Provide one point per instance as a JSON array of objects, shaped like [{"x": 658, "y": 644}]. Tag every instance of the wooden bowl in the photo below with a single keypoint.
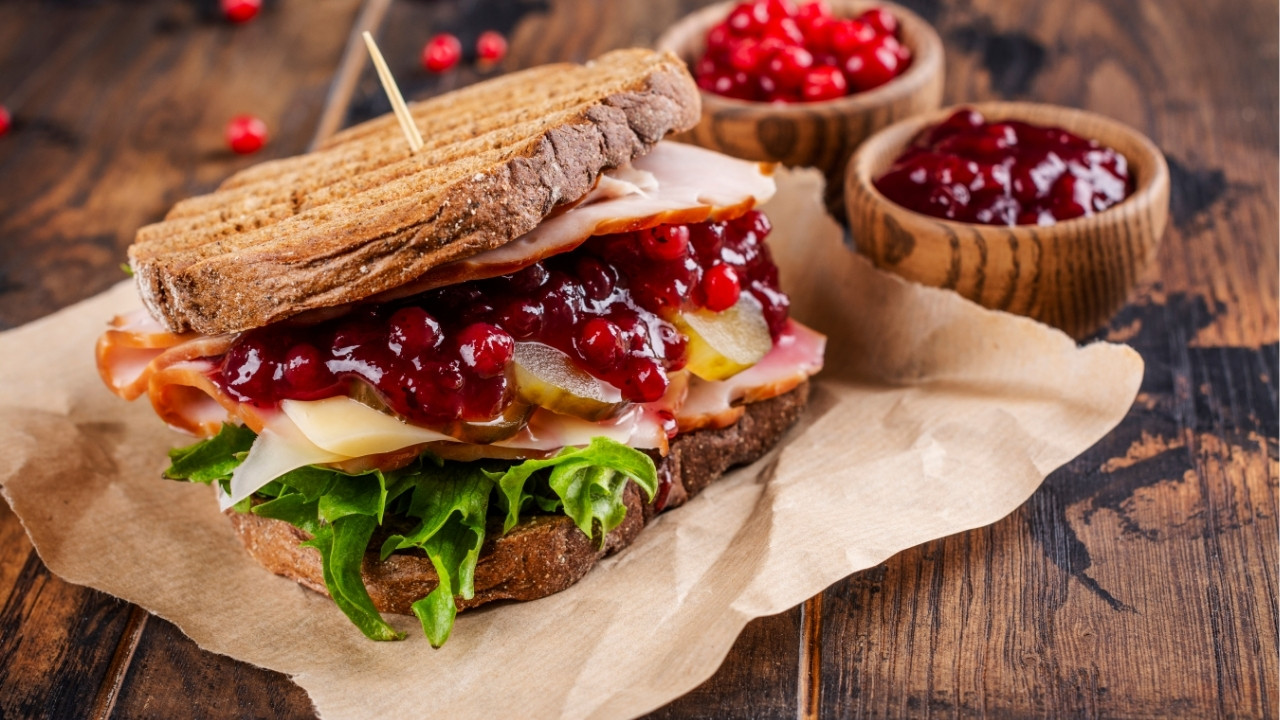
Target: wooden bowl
[
  {"x": 1073, "y": 275},
  {"x": 819, "y": 134}
]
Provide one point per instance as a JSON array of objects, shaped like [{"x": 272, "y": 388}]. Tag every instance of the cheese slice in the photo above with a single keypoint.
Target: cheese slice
[
  {"x": 279, "y": 448},
  {"x": 351, "y": 429}
]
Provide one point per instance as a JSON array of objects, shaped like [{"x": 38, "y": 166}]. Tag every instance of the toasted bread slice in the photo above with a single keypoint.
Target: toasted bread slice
[
  {"x": 544, "y": 554},
  {"x": 363, "y": 215}
]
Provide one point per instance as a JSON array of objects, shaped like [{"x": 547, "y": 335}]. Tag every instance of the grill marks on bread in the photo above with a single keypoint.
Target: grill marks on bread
[{"x": 362, "y": 215}]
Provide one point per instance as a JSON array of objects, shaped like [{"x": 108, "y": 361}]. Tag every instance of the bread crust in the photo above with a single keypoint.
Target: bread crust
[
  {"x": 362, "y": 215},
  {"x": 544, "y": 554}
]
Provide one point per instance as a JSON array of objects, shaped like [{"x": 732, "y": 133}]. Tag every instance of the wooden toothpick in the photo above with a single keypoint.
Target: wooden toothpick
[{"x": 393, "y": 94}]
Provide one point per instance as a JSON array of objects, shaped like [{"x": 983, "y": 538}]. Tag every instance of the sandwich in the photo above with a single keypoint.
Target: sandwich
[{"x": 424, "y": 381}]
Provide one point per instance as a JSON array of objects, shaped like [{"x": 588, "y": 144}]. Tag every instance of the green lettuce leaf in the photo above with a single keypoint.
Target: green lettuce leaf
[
  {"x": 211, "y": 459},
  {"x": 342, "y": 545},
  {"x": 589, "y": 483},
  {"x": 450, "y": 502}
]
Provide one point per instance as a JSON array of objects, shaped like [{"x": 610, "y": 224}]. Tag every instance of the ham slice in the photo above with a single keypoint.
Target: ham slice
[{"x": 673, "y": 183}]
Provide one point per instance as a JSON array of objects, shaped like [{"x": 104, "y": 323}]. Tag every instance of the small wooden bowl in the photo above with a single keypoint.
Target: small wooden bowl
[
  {"x": 819, "y": 134},
  {"x": 1073, "y": 275}
]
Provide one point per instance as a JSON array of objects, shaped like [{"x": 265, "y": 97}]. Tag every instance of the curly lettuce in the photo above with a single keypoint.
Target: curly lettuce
[{"x": 447, "y": 502}]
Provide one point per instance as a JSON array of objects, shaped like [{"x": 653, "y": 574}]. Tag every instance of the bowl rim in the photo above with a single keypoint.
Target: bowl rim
[
  {"x": 1146, "y": 192},
  {"x": 927, "y": 60}
]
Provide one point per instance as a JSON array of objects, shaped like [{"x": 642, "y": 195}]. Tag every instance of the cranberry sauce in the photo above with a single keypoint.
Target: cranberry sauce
[
  {"x": 442, "y": 356},
  {"x": 1005, "y": 173}
]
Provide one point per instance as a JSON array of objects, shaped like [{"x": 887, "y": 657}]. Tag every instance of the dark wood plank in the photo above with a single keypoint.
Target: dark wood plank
[
  {"x": 170, "y": 677},
  {"x": 759, "y": 678},
  {"x": 57, "y": 641},
  {"x": 1140, "y": 581},
  {"x": 119, "y": 110}
]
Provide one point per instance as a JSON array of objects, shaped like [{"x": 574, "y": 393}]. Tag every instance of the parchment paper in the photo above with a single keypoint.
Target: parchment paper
[{"x": 933, "y": 416}]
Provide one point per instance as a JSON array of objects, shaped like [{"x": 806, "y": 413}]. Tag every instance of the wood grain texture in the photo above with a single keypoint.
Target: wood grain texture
[
  {"x": 821, "y": 135},
  {"x": 1140, "y": 581},
  {"x": 1073, "y": 275}
]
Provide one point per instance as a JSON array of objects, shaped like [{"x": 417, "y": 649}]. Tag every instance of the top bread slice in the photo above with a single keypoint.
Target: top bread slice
[{"x": 362, "y": 215}]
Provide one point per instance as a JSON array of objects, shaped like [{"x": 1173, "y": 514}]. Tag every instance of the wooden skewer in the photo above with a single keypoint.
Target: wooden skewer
[{"x": 393, "y": 94}]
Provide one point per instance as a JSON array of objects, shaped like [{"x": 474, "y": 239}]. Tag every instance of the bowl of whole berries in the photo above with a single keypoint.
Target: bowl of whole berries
[{"x": 803, "y": 82}]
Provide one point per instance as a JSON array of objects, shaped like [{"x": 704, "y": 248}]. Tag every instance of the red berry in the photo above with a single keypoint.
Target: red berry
[
  {"x": 746, "y": 56},
  {"x": 786, "y": 30},
  {"x": 491, "y": 46},
  {"x": 848, "y": 36},
  {"x": 246, "y": 134},
  {"x": 747, "y": 20},
  {"x": 817, "y": 32},
  {"x": 239, "y": 11},
  {"x": 881, "y": 20},
  {"x": 413, "y": 330},
  {"x": 600, "y": 343},
  {"x": 811, "y": 11},
  {"x": 303, "y": 368},
  {"x": 5, "y": 120},
  {"x": 645, "y": 381},
  {"x": 522, "y": 318},
  {"x": 485, "y": 348},
  {"x": 871, "y": 67},
  {"x": 666, "y": 242},
  {"x": 823, "y": 83},
  {"x": 720, "y": 286},
  {"x": 778, "y": 9},
  {"x": 790, "y": 65},
  {"x": 718, "y": 40},
  {"x": 441, "y": 52}
]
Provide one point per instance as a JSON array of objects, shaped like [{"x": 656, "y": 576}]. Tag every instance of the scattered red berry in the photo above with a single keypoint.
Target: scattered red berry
[
  {"x": 246, "y": 134},
  {"x": 240, "y": 11},
  {"x": 720, "y": 286},
  {"x": 6, "y": 120},
  {"x": 777, "y": 51},
  {"x": 441, "y": 53},
  {"x": 491, "y": 46}
]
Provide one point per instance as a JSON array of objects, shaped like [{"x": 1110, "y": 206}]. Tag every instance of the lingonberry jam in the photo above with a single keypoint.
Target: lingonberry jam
[
  {"x": 776, "y": 51},
  {"x": 442, "y": 356},
  {"x": 1005, "y": 173}
]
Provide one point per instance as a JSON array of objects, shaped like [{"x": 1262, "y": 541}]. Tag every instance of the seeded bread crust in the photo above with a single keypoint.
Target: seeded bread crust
[
  {"x": 542, "y": 555},
  {"x": 362, "y": 215}
]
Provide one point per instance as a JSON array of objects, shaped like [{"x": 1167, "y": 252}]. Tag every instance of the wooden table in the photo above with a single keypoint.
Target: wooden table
[{"x": 1140, "y": 581}]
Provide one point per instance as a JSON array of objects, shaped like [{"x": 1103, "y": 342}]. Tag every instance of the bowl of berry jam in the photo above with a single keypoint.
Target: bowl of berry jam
[
  {"x": 1039, "y": 210},
  {"x": 803, "y": 82}
]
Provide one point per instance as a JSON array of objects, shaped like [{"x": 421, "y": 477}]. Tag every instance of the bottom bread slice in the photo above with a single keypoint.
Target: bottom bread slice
[{"x": 543, "y": 554}]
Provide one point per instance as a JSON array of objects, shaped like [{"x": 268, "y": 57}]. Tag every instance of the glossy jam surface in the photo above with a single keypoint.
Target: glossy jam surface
[
  {"x": 1005, "y": 173},
  {"x": 443, "y": 356},
  {"x": 778, "y": 51}
]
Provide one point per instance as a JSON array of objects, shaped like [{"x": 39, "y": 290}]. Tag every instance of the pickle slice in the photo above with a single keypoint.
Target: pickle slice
[
  {"x": 547, "y": 377},
  {"x": 723, "y": 344},
  {"x": 513, "y": 418}
]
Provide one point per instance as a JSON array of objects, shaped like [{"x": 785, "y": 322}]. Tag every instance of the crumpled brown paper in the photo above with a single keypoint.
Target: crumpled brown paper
[{"x": 934, "y": 416}]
